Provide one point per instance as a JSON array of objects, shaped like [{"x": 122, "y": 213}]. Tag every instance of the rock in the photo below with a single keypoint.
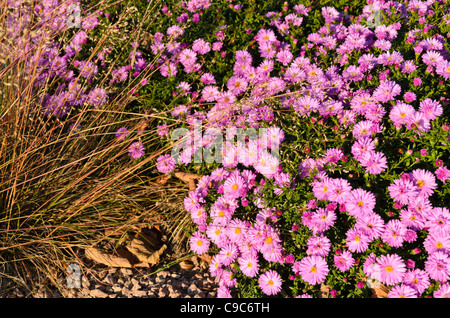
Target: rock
[
  {"x": 116, "y": 288},
  {"x": 127, "y": 293},
  {"x": 140, "y": 293},
  {"x": 97, "y": 293},
  {"x": 126, "y": 271},
  {"x": 193, "y": 289},
  {"x": 135, "y": 283}
]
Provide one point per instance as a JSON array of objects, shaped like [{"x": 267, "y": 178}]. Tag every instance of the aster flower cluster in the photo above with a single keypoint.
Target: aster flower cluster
[{"x": 366, "y": 99}]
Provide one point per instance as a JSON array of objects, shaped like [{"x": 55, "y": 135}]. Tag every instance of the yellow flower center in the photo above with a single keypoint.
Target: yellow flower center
[
  {"x": 402, "y": 115},
  {"x": 420, "y": 183},
  {"x": 268, "y": 240},
  {"x": 313, "y": 269},
  {"x": 237, "y": 231},
  {"x": 389, "y": 269},
  {"x": 439, "y": 245},
  {"x": 270, "y": 282},
  {"x": 356, "y": 238},
  {"x": 235, "y": 187},
  {"x": 360, "y": 203},
  {"x": 199, "y": 243},
  {"x": 249, "y": 264}
]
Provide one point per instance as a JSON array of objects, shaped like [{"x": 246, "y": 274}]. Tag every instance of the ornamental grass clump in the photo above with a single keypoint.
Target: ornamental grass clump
[{"x": 67, "y": 178}]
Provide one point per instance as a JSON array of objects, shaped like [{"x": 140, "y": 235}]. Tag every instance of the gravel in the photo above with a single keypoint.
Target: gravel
[{"x": 103, "y": 282}]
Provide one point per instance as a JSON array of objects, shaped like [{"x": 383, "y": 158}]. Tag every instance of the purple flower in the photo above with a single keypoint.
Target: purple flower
[
  {"x": 409, "y": 97},
  {"x": 270, "y": 282},
  {"x": 392, "y": 269},
  {"x": 97, "y": 97},
  {"x": 344, "y": 261},
  {"x": 313, "y": 269},
  {"x": 386, "y": 91},
  {"x": 165, "y": 163},
  {"x": 136, "y": 150}
]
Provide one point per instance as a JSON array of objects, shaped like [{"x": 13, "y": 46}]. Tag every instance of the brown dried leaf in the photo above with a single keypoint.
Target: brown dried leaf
[
  {"x": 147, "y": 245},
  {"x": 186, "y": 264},
  {"x": 205, "y": 257},
  {"x": 144, "y": 254},
  {"x": 162, "y": 180},
  {"x": 185, "y": 176},
  {"x": 102, "y": 257}
]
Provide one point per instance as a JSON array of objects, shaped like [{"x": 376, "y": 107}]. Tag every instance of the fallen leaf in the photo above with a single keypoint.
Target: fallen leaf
[
  {"x": 185, "y": 176},
  {"x": 140, "y": 249},
  {"x": 189, "y": 178},
  {"x": 102, "y": 257},
  {"x": 147, "y": 245},
  {"x": 205, "y": 257},
  {"x": 162, "y": 180},
  {"x": 186, "y": 264}
]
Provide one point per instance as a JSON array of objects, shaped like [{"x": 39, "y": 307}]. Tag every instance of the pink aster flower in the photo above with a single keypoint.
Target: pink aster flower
[
  {"x": 360, "y": 202},
  {"x": 432, "y": 58},
  {"x": 425, "y": 182},
  {"x": 443, "y": 291},
  {"x": 374, "y": 161},
  {"x": 228, "y": 253},
  {"x": 201, "y": 46},
  {"x": 386, "y": 91},
  {"x": 237, "y": 84},
  {"x": 392, "y": 269},
  {"x": 340, "y": 188},
  {"x": 284, "y": 56},
  {"x": 438, "y": 266},
  {"x": 165, "y": 163},
  {"x": 438, "y": 221},
  {"x": 234, "y": 186},
  {"x": 270, "y": 282},
  {"x": 249, "y": 265},
  {"x": 409, "y": 97},
  {"x": 401, "y": 114},
  {"x": 442, "y": 173},
  {"x": 403, "y": 191},
  {"x": 136, "y": 150},
  {"x": 121, "y": 133},
  {"x": 417, "y": 279},
  {"x": 318, "y": 245},
  {"x": 394, "y": 233},
  {"x": 443, "y": 69},
  {"x": 322, "y": 220},
  {"x": 437, "y": 242},
  {"x": 313, "y": 269},
  {"x": 363, "y": 129},
  {"x": 357, "y": 240},
  {"x": 402, "y": 291},
  {"x": 199, "y": 243},
  {"x": 371, "y": 224},
  {"x": 344, "y": 261},
  {"x": 430, "y": 108},
  {"x": 361, "y": 146}
]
